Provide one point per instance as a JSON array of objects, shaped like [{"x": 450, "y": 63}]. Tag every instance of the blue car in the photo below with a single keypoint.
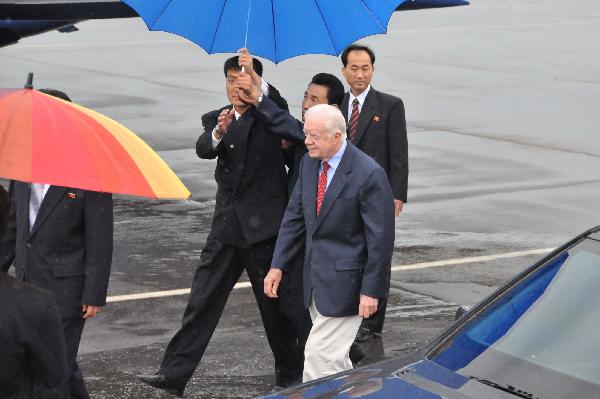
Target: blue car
[{"x": 538, "y": 336}]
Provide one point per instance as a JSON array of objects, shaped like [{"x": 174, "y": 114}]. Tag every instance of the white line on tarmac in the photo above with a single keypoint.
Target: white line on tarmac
[
  {"x": 471, "y": 259},
  {"x": 414, "y": 266}
]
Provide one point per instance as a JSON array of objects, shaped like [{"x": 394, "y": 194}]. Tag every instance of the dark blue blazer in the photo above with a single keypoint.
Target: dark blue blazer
[{"x": 349, "y": 244}]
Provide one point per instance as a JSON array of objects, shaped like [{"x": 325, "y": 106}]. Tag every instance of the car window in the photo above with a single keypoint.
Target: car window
[{"x": 545, "y": 327}]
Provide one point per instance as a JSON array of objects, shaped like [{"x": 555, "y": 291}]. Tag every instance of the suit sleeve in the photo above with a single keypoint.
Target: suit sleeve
[
  {"x": 277, "y": 98},
  {"x": 398, "y": 145},
  {"x": 292, "y": 231},
  {"x": 9, "y": 238},
  {"x": 47, "y": 354},
  {"x": 98, "y": 214},
  {"x": 204, "y": 144},
  {"x": 279, "y": 121},
  {"x": 377, "y": 212}
]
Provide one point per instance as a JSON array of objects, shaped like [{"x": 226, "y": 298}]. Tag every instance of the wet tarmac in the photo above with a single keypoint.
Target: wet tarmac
[{"x": 502, "y": 102}]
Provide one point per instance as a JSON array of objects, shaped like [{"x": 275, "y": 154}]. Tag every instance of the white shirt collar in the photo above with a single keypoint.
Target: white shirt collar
[{"x": 361, "y": 98}]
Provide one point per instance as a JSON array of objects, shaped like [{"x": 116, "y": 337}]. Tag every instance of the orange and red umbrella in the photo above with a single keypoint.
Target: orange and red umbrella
[{"x": 44, "y": 139}]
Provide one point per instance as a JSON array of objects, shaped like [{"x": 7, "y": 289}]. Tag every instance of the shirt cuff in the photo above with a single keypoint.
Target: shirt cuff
[
  {"x": 215, "y": 141},
  {"x": 264, "y": 87}
]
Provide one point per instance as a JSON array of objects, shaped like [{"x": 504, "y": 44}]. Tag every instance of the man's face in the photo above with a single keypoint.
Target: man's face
[
  {"x": 358, "y": 71},
  {"x": 314, "y": 94},
  {"x": 232, "y": 90},
  {"x": 321, "y": 144}
]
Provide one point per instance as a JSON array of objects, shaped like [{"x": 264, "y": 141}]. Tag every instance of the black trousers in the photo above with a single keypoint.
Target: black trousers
[
  {"x": 375, "y": 322},
  {"x": 291, "y": 302},
  {"x": 219, "y": 269},
  {"x": 75, "y": 386}
]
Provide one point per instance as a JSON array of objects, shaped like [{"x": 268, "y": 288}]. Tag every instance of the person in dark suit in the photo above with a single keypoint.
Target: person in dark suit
[
  {"x": 32, "y": 346},
  {"x": 323, "y": 88},
  {"x": 4, "y": 207},
  {"x": 60, "y": 239},
  {"x": 342, "y": 206},
  {"x": 377, "y": 126},
  {"x": 250, "y": 201}
]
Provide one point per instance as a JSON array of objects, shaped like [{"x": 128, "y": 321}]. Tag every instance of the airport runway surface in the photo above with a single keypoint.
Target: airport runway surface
[{"x": 502, "y": 101}]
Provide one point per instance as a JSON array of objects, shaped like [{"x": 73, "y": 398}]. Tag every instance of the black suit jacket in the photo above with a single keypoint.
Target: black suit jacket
[
  {"x": 381, "y": 134},
  {"x": 283, "y": 124},
  {"x": 69, "y": 250},
  {"x": 251, "y": 179},
  {"x": 32, "y": 347},
  {"x": 349, "y": 243}
]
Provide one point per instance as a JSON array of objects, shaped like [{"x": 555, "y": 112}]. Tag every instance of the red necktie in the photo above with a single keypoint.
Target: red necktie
[
  {"x": 322, "y": 186},
  {"x": 353, "y": 124}
]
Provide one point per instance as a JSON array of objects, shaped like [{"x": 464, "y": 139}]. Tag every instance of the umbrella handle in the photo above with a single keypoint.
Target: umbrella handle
[{"x": 29, "y": 84}]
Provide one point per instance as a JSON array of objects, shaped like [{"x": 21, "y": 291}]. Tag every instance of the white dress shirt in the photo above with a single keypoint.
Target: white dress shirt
[
  {"x": 33, "y": 209},
  {"x": 334, "y": 162},
  {"x": 361, "y": 100}
]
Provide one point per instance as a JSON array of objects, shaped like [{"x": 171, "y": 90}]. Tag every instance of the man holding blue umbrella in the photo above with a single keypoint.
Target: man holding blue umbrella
[{"x": 250, "y": 202}]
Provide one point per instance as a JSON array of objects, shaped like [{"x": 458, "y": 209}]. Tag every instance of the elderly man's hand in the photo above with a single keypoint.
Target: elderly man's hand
[
  {"x": 367, "y": 306},
  {"x": 245, "y": 60},
  {"x": 272, "y": 281}
]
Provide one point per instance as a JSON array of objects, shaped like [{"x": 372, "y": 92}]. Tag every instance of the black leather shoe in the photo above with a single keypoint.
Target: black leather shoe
[
  {"x": 161, "y": 382},
  {"x": 363, "y": 335}
]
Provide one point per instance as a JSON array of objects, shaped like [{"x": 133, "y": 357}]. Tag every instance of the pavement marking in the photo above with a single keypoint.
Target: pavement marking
[
  {"x": 414, "y": 266},
  {"x": 471, "y": 259}
]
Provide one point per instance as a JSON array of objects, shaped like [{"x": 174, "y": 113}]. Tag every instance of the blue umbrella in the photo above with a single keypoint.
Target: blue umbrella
[{"x": 273, "y": 29}]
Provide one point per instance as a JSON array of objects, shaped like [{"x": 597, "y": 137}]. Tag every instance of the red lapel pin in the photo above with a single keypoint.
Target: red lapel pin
[
  {"x": 376, "y": 118},
  {"x": 72, "y": 195}
]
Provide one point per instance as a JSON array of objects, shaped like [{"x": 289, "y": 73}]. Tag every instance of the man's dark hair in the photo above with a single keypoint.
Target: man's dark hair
[
  {"x": 55, "y": 93},
  {"x": 233, "y": 63},
  {"x": 357, "y": 47},
  {"x": 335, "y": 88}
]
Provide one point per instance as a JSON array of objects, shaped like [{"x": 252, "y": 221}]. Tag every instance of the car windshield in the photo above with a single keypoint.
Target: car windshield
[{"x": 542, "y": 336}]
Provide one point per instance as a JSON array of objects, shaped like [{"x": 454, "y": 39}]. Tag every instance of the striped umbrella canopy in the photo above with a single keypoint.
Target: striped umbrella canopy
[{"x": 44, "y": 139}]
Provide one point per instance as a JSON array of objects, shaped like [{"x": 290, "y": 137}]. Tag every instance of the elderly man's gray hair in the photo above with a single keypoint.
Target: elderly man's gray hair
[{"x": 334, "y": 120}]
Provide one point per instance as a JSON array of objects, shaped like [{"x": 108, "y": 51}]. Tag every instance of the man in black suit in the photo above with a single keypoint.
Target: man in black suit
[
  {"x": 4, "y": 207},
  {"x": 250, "y": 201},
  {"x": 323, "y": 88},
  {"x": 377, "y": 126},
  {"x": 60, "y": 239},
  {"x": 32, "y": 347}
]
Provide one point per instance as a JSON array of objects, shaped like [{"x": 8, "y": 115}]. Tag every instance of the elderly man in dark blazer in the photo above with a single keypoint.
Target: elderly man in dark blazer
[
  {"x": 377, "y": 126},
  {"x": 33, "y": 357},
  {"x": 343, "y": 207},
  {"x": 250, "y": 202}
]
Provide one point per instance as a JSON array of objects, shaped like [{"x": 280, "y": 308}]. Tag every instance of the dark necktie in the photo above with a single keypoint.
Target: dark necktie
[
  {"x": 353, "y": 124},
  {"x": 322, "y": 186}
]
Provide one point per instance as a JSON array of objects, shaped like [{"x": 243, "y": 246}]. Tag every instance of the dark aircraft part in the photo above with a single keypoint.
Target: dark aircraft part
[
  {"x": 12, "y": 31},
  {"x": 68, "y": 29},
  {"x": 421, "y": 4},
  {"x": 7, "y": 37},
  {"x": 64, "y": 11}
]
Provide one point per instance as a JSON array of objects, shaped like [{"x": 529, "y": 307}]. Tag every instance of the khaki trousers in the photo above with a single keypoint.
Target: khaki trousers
[{"x": 328, "y": 345}]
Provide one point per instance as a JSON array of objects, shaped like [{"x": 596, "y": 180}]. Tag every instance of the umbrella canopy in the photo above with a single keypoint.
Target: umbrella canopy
[
  {"x": 273, "y": 29},
  {"x": 44, "y": 139}
]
